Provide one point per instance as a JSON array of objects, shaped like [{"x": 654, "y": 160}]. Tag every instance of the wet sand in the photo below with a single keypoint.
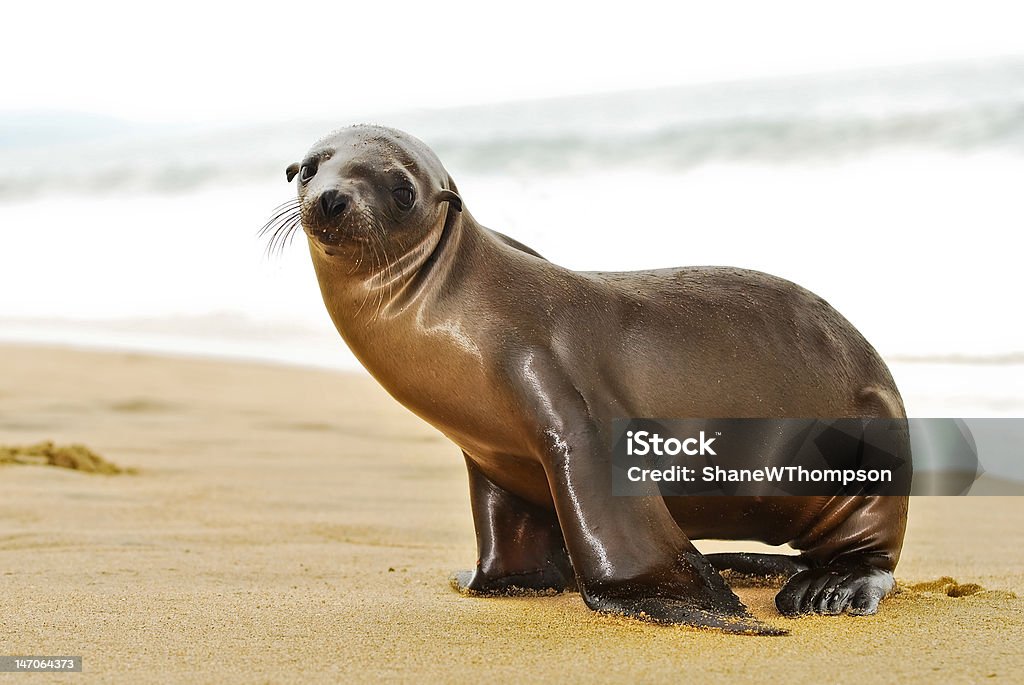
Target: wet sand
[{"x": 291, "y": 525}]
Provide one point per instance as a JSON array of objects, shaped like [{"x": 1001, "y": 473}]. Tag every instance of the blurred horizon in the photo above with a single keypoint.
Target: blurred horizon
[
  {"x": 110, "y": 122},
  {"x": 213, "y": 62}
]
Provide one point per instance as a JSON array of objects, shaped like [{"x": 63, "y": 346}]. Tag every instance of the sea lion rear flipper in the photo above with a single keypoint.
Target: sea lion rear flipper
[
  {"x": 853, "y": 549},
  {"x": 759, "y": 566},
  {"x": 856, "y": 588}
]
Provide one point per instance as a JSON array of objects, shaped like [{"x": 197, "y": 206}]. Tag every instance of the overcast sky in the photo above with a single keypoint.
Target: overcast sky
[{"x": 209, "y": 61}]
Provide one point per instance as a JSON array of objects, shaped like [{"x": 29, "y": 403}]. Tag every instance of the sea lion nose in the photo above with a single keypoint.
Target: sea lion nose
[{"x": 333, "y": 203}]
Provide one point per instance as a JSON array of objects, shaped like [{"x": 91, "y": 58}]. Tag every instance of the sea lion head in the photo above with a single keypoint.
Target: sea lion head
[{"x": 372, "y": 187}]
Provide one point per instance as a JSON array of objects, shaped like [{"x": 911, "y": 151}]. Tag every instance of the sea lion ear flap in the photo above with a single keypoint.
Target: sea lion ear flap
[
  {"x": 451, "y": 196},
  {"x": 292, "y": 170}
]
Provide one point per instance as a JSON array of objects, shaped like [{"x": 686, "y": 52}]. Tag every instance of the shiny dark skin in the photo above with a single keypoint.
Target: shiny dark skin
[{"x": 523, "y": 364}]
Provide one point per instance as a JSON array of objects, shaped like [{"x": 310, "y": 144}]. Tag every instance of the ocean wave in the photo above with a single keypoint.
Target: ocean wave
[
  {"x": 958, "y": 108},
  {"x": 781, "y": 140}
]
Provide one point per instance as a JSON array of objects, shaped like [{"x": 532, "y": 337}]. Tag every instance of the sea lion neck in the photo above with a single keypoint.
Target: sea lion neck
[{"x": 398, "y": 287}]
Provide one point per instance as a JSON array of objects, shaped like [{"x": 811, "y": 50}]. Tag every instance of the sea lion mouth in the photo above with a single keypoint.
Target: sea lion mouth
[
  {"x": 327, "y": 238},
  {"x": 323, "y": 232},
  {"x": 337, "y": 233}
]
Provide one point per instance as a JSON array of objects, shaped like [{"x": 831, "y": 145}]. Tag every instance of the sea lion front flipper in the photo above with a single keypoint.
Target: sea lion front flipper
[
  {"x": 519, "y": 545},
  {"x": 472, "y": 583},
  {"x": 711, "y": 603},
  {"x": 630, "y": 556},
  {"x": 674, "y": 612}
]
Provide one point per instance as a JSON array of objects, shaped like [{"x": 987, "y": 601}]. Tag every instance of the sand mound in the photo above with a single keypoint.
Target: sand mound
[
  {"x": 951, "y": 588},
  {"x": 77, "y": 457}
]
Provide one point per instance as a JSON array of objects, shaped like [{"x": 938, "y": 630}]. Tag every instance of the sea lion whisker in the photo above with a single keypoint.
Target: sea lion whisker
[
  {"x": 281, "y": 210},
  {"x": 390, "y": 288},
  {"x": 271, "y": 244},
  {"x": 272, "y": 224},
  {"x": 285, "y": 207},
  {"x": 289, "y": 201},
  {"x": 366, "y": 292},
  {"x": 391, "y": 292},
  {"x": 292, "y": 230},
  {"x": 389, "y": 279},
  {"x": 280, "y": 227},
  {"x": 380, "y": 236},
  {"x": 286, "y": 234},
  {"x": 359, "y": 260},
  {"x": 382, "y": 262},
  {"x": 379, "y": 289},
  {"x": 269, "y": 250}
]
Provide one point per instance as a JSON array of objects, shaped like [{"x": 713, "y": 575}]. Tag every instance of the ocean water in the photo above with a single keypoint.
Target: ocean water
[{"x": 895, "y": 195}]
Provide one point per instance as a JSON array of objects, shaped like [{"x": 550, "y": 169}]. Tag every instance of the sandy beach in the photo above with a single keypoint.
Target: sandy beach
[{"x": 293, "y": 525}]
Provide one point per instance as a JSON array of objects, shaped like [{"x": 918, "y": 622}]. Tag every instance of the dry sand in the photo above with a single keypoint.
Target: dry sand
[{"x": 290, "y": 525}]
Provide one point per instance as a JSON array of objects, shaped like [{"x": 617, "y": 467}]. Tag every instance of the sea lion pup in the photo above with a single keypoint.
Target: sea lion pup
[{"x": 523, "y": 364}]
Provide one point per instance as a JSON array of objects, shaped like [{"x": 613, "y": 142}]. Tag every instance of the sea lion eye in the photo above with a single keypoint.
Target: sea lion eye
[
  {"x": 404, "y": 197},
  {"x": 307, "y": 171}
]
